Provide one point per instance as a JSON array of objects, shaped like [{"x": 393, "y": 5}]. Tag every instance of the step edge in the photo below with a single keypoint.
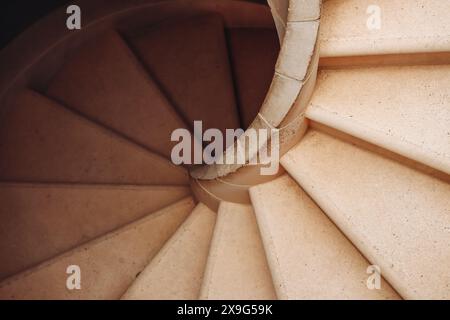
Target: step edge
[{"x": 391, "y": 142}]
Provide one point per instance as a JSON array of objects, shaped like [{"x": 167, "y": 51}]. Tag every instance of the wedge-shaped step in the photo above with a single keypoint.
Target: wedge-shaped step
[
  {"x": 403, "y": 109},
  {"x": 237, "y": 266},
  {"x": 40, "y": 141},
  {"x": 189, "y": 58},
  {"x": 176, "y": 272},
  {"x": 399, "y": 218},
  {"x": 61, "y": 217},
  {"x": 104, "y": 81},
  {"x": 253, "y": 53},
  {"x": 308, "y": 256},
  {"x": 107, "y": 266},
  {"x": 375, "y": 27}
]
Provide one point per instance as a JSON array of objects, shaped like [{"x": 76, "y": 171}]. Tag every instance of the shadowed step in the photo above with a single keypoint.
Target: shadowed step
[
  {"x": 60, "y": 217},
  {"x": 104, "y": 81},
  {"x": 108, "y": 265},
  {"x": 189, "y": 59},
  {"x": 41, "y": 141},
  {"x": 176, "y": 272},
  {"x": 253, "y": 53}
]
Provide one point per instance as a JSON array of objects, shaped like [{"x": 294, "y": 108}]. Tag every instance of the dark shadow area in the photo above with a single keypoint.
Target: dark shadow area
[{"x": 18, "y": 15}]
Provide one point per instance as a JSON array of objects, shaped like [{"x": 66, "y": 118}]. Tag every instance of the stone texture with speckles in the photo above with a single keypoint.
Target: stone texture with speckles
[
  {"x": 41, "y": 141},
  {"x": 403, "y": 109},
  {"x": 176, "y": 272},
  {"x": 407, "y": 26},
  {"x": 105, "y": 81},
  {"x": 399, "y": 218},
  {"x": 108, "y": 265},
  {"x": 308, "y": 256},
  {"x": 237, "y": 266},
  {"x": 47, "y": 213}
]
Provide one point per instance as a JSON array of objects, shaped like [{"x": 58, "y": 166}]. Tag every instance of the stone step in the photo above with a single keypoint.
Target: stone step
[
  {"x": 405, "y": 110},
  {"x": 237, "y": 266},
  {"x": 399, "y": 218},
  {"x": 349, "y": 27},
  {"x": 176, "y": 272},
  {"x": 107, "y": 265},
  {"x": 189, "y": 59},
  {"x": 105, "y": 82},
  {"x": 309, "y": 257},
  {"x": 253, "y": 52},
  {"x": 60, "y": 217},
  {"x": 41, "y": 141}
]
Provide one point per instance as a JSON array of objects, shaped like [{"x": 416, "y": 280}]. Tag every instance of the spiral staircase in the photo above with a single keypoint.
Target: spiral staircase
[{"x": 363, "y": 118}]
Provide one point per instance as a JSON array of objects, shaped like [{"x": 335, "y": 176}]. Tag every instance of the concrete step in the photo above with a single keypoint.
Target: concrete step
[
  {"x": 189, "y": 59},
  {"x": 237, "y": 266},
  {"x": 309, "y": 257},
  {"x": 104, "y": 81},
  {"x": 40, "y": 141},
  {"x": 108, "y": 265},
  {"x": 253, "y": 53},
  {"x": 405, "y": 110},
  {"x": 349, "y": 29},
  {"x": 60, "y": 217},
  {"x": 398, "y": 217},
  {"x": 176, "y": 272}
]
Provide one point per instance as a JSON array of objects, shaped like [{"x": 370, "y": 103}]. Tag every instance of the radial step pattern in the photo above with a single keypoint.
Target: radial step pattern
[
  {"x": 395, "y": 110},
  {"x": 237, "y": 266},
  {"x": 107, "y": 265},
  {"x": 398, "y": 217},
  {"x": 308, "y": 256},
  {"x": 176, "y": 272},
  {"x": 104, "y": 81},
  {"x": 41, "y": 141},
  {"x": 60, "y": 217},
  {"x": 190, "y": 60}
]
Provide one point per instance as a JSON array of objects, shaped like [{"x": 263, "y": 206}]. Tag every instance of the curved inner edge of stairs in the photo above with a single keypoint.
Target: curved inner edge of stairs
[
  {"x": 364, "y": 182},
  {"x": 282, "y": 110}
]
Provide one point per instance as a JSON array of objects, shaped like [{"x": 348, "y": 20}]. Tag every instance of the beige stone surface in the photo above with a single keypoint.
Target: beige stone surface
[
  {"x": 304, "y": 96},
  {"x": 407, "y": 26},
  {"x": 61, "y": 217},
  {"x": 226, "y": 191},
  {"x": 233, "y": 187},
  {"x": 280, "y": 7},
  {"x": 41, "y": 141},
  {"x": 294, "y": 78},
  {"x": 298, "y": 49},
  {"x": 204, "y": 195},
  {"x": 237, "y": 266},
  {"x": 304, "y": 10},
  {"x": 104, "y": 81},
  {"x": 280, "y": 25},
  {"x": 249, "y": 176},
  {"x": 280, "y": 98},
  {"x": 108, "y": 265},
  {"x": 291, "y": 134},
  {"x": 309, "y": 257},
  {"x": 215, "y": 170},
  {"x": 403, "y": 109},
  {"x": 398, "y": 218},
  {"x": 176, "y": 272}
]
